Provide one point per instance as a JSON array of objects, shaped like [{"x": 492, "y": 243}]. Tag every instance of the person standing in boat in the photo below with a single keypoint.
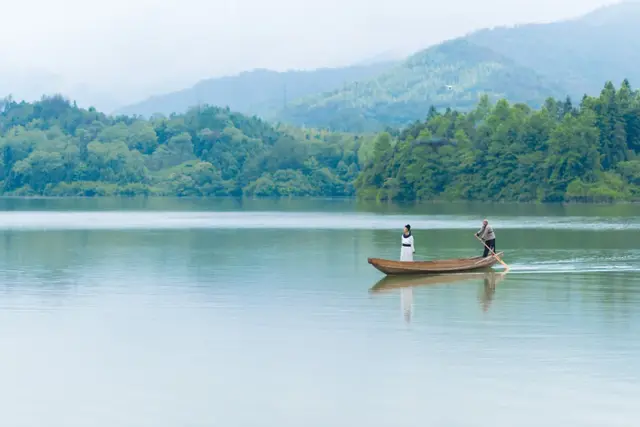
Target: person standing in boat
[
  {"x": 407, "y": 250},
  {"x": 488, "y": 236}
]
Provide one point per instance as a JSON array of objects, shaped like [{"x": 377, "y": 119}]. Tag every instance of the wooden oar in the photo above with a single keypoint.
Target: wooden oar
[{"x": 492, "y": 252}]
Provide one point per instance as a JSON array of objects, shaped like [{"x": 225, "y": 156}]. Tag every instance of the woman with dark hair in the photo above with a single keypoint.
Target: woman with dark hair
[{"x": 407, "y": 249}]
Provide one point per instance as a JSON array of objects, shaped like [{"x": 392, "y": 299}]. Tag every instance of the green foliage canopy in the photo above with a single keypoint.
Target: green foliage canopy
[{"x": 509, "y": 152}]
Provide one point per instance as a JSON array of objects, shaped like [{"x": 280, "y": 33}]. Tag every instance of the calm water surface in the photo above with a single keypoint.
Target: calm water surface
[{"x": 262, "y": 313}]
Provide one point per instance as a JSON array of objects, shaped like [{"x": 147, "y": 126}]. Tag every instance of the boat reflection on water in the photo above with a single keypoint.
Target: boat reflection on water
[{"x": 406, "y": 284}]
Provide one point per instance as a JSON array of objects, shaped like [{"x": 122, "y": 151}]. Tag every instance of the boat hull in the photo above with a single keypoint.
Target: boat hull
[{"x": 390, "y": 267}]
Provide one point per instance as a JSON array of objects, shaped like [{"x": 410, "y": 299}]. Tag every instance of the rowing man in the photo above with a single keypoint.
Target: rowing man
[{"x": 488, "y": 237}]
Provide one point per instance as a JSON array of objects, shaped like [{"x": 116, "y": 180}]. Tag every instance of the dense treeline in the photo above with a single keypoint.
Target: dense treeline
[
  {"x": 561, "y": 152},
  {"x": 54, "y": 148},
  {"x": 500, "y": 152}
]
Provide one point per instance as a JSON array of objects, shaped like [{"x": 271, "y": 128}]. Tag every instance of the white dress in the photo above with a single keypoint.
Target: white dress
[{"x": 406, "y": 252}]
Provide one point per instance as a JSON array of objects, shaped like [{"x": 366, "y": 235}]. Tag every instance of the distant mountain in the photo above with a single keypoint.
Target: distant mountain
[
  {"x": 452, "y": 74},
  {"x": 526, "y": 63},
  {"x": 260, "y": 92},
  {"x": 580, "y": 53}
]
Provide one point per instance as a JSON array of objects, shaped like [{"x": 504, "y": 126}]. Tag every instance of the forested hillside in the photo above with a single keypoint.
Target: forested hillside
[
  {"x": 54, "y": 148},
  {"x": 259, "y": 92},
  {"x": 494, "y": 152},
  {"x": 453, "y": 74},
  {"x": 509, "y": 152},
  {"x": 578, "y": 54},
  {"x": 525, "y": 64}
]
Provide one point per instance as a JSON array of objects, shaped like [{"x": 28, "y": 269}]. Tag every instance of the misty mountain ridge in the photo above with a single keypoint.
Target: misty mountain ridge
[
  {"x": 455, "y": 74},
  {"x": 523, "y": 63},
  {"x": 579, "y": 53},
  {"x": 261, "y": 92}
]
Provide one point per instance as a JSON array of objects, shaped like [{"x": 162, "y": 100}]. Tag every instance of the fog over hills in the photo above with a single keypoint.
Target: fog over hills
[{"x": 134, "y": 49}]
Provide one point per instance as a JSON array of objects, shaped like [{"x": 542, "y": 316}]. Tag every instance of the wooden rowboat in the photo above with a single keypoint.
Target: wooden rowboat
[{"x": 455, "y": 265}]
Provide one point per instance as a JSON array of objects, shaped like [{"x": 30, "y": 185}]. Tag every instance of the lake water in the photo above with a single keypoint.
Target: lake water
[{"x": 263, "y": 313}]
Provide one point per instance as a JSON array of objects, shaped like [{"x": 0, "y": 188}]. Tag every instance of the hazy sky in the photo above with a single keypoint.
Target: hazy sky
[{"x": 132, "y": 47}]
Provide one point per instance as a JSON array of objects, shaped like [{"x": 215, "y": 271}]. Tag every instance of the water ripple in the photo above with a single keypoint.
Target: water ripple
[{"x": 39, "y": 220}]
